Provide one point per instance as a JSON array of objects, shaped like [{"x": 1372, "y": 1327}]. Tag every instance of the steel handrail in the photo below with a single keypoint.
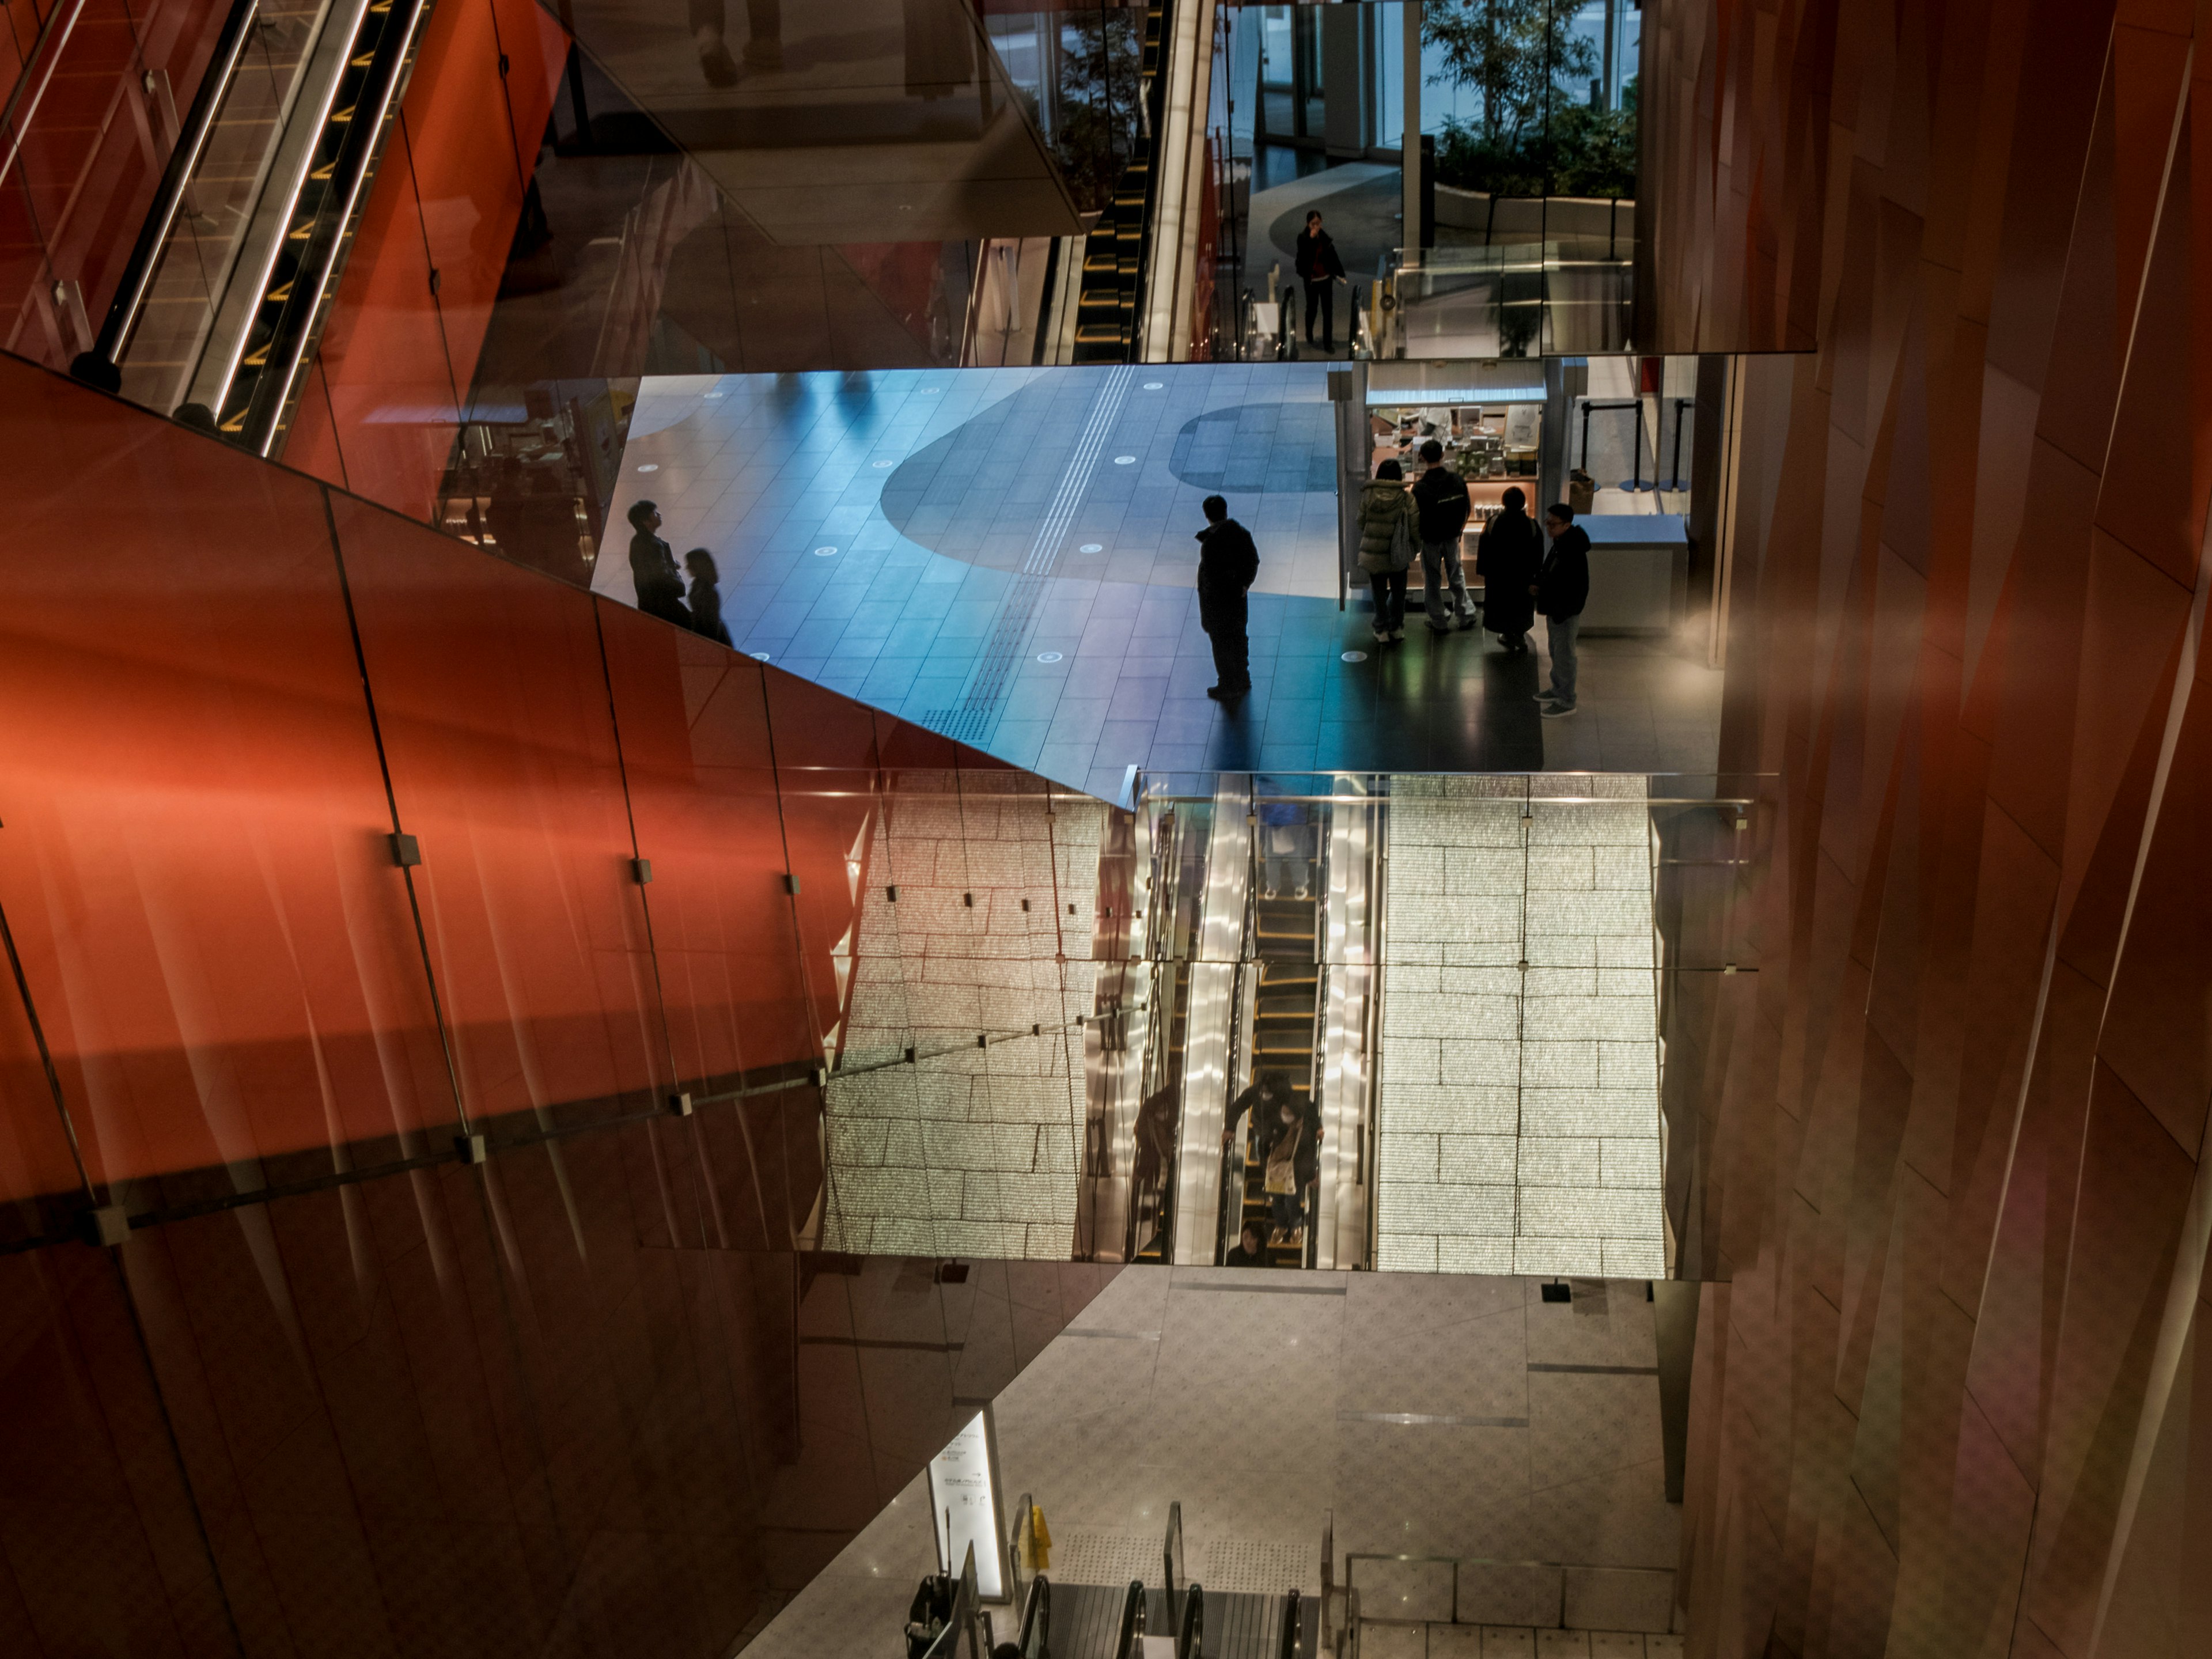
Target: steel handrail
[
  {"x": 1133, "y": 1620},
  {"x": 176, "y": 179},
  {"x": 1293, "y": 1618},
  {"x": 1035, "y": 1635},
  {"x": 1190, "y": 1640}
]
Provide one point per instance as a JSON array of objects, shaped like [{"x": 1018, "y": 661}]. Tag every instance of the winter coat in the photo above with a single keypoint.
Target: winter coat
[
  {"x": 1440, "y": 494},
  {"x": 1507, "y": 559},
  {"x": 1383, "y": 504},
  {"x": 1228, "y": 562},
  {"x": 1563, "y": 584},
  {"x": 706, "y": 610},
  {"x": 1315, "y": 255},
  {"x": 659, "y": 583}
]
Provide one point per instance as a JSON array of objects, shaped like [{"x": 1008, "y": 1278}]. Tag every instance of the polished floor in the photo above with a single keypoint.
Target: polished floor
[
  {"x": 1461, "y": 1420},
  {"x": 1006, "y": 555}
]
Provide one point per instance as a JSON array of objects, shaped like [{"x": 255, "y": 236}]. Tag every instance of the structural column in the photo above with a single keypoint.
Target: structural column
[{"x": 1410, "y": 161}]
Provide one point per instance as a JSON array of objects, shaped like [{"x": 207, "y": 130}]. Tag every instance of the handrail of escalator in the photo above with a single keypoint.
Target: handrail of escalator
[
  {"x": 1191, "y": 1638},
  {"x": 302, "y": 300},
  {"x": 1133, "y": 1620},
  {"x": 1293, "y": 1618},
  {"x": 1036, "y": 1637},
  {"x": 98, "y": 366}
]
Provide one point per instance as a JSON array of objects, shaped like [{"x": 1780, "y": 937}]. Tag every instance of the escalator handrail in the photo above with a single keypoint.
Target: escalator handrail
[
  {"x": 1292, "y": 1618},
  {"x": 301, "y": 321},
  {"x": 1036, "y": 1620},
  {"x": 176, "y": 177},
  {"x": 1191, "y": 1638},
  {"x": 1133, "y": 1620}
]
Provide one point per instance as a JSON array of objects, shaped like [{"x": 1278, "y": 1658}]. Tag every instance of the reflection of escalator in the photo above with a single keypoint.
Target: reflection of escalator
[
  {"x": 1111, "y": 289},
  {"x": 1286, "y": 1033},
  {"x": 1035, "y": 1639},
  {"x": 229, "y": 284},
  {"x": 1151, "y": 1214}
]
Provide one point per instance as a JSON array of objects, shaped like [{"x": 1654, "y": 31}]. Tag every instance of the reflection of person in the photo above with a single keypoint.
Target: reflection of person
[
  {"x": 1250, "y": 1250},
  {"x": 1390, "y": 532},
  {"x": 1155, "y": 1137},
  {"x": 1319, "y": 266},
  {"x": 653, "y": 567},
  {"x": 763, "y": 43},
  {"x": 1440, "y": 497},
  {"x": 1506, "y": 558},
  {"x": 1562, "y": 589},
  {"x": 1228, "y": 563},
  {"x": 705, "y": 599}
]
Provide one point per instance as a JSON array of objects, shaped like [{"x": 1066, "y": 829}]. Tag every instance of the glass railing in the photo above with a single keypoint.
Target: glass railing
[{"x": 1559, "y": 296}]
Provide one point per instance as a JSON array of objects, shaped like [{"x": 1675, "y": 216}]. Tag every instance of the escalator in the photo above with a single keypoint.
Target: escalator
[
  {"x": 1109, "y": 295},
  {"x": 229, "y": 283},
  {"x": 1286, "y": 1031}
]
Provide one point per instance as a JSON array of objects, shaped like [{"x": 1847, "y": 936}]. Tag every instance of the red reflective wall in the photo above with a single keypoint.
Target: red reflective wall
[
  {"x": 1956, "y": 1395},
  {"x": 342, "y": 1389}
]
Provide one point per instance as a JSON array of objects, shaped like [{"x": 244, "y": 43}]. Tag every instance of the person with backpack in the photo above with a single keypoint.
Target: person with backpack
[
  {"x": 1442, "y": 504},
  {"x": 1389, "y": 535}
]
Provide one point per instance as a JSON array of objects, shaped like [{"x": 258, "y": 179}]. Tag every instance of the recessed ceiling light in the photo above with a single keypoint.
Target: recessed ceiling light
[
  {"x": 1048, "y": 656},
  {"x": 1090, "y": 547},
  {"x": 1353, "y": 656},
  {"x": 1124, "y": 461},
  {"x": 823, "y": 552}
]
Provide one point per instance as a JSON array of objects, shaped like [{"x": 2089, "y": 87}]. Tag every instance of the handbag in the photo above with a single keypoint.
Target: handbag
[{"x": 1283, "y": 1166}]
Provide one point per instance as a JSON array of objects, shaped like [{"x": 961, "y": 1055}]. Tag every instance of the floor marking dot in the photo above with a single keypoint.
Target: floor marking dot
[
  {"x": 1048, "y": 656},
  {"x": 823, "y": 552},
  {"x": 650, "y": 466},
  {"x": 1353, "y": 656},
  {"x": 1090, "y": 547},
  {"x": 1124, "y": 461}
]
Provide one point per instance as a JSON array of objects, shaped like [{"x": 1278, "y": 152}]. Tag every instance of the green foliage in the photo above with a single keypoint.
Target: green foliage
[
  {"x": 1099, "y": 90},
  {"x": 1537, "y": 135}
]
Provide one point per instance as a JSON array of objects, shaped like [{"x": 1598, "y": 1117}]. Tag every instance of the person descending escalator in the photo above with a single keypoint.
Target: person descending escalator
[
  {"x": 1250, "y": 1250},
  {"x": 1287, "y": 1141}
]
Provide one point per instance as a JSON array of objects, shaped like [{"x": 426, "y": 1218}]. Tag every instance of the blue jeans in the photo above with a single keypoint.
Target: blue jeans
[
  {"x": 1561, "y": 637},
  {"x": 1443, "y": 584},
  {"x": 1289, "y": 1210}
]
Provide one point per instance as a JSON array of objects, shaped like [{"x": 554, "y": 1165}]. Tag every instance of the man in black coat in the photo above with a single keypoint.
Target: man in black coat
[
  {"x": 1318, "y": 266},
  {"x": 1562, "y": 589},
  {"x": 653, "y": 568},
  {"x": 1227, "y": 563}
]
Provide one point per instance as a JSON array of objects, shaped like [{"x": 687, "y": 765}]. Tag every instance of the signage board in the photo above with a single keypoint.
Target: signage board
[{"x": 965, "y": 1502}]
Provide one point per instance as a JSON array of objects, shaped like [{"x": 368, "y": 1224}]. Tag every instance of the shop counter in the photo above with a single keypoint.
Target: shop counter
[{"x": 1639, "y": 562}]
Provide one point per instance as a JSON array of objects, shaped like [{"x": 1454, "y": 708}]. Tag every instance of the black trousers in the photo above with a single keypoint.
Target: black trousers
[
  {"x": 1223, "y": 619},
  {"x": 1321, "y": 301}
]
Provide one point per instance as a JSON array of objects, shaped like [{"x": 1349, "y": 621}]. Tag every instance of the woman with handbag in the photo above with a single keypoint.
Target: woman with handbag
[{"x": 1389, "y": 540}]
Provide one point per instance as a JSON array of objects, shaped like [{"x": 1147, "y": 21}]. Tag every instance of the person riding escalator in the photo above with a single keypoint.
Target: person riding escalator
[{"x": 1287, "y": 1142}]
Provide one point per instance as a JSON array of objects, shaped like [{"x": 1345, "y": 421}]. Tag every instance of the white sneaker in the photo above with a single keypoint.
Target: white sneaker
[
  {"x": 1382, "y": 636},
  {"x": 1397, "y": 634}
]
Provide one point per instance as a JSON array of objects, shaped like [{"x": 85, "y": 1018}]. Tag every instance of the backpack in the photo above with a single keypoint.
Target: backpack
[{"x": 1404, "y": 544}]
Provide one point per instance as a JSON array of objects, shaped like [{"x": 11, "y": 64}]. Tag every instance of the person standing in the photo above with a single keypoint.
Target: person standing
[
  {"x": 1318, "y": 266},
  {"x": 1228, "y": 563},
  {"x": 1562, "y": 589},
  {"x": 1507, "y": 557},
  {"x": 705, "y": 599},
  {"x": 1390, "y": 532},
  {"x": 653, "y": 568},
  {"x": 1442, "y": 504}
]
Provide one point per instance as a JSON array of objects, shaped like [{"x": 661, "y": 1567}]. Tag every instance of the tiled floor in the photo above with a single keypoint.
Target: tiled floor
[
  {"x": 972, "y": 551},
  {"x": 1418, "y": 1414}
]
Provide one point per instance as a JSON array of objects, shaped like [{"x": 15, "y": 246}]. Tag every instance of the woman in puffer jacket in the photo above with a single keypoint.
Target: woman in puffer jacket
[{"x": 1384, "y": 504}]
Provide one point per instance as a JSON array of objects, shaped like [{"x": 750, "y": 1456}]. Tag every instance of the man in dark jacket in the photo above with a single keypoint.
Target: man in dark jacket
[
  {"x": 1440, "y": 499},
  {"x": 653, "y": 568},
  {"x": 1227, "y": 563},
  {"x": 1318, "y": 266},
  {"x": 1562, "y": 589}
]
